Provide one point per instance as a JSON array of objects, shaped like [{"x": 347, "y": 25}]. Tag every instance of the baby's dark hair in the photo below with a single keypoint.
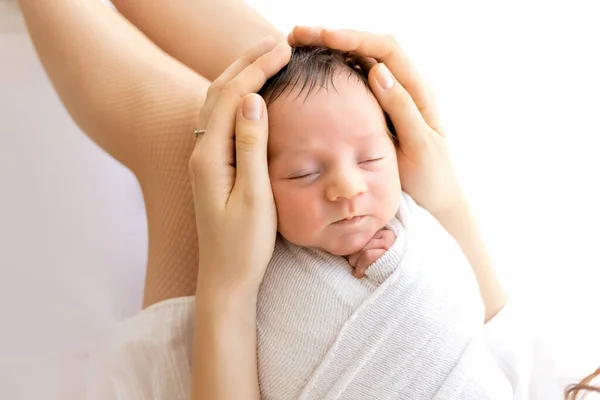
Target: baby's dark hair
[{"x": 313, "y": 68}]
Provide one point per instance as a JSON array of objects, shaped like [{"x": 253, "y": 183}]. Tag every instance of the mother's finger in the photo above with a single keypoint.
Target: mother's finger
[
  {"x": 251, "y": 135},
  {"x": 399, "y": 105},
  {"x": 265, "y": 45},
  {"x": 219, "y": 136},
  {"x": 385, "y": 49},
  {"x": 305, "y": 35}
]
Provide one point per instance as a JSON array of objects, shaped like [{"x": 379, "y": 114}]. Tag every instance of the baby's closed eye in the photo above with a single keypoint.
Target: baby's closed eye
[
  {"x": 301, "y": 175},
  {"x": 370, "y": 160}
]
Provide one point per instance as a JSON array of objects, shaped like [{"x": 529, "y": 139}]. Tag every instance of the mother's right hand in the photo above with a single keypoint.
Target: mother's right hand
[
  {"x": 426, "y": 171},
  {"x": 235, "y": 211}
]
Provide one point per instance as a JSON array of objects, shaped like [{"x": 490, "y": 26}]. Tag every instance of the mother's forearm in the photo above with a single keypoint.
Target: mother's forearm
[
  {"x": 460, "y": 222},
  {"x": 224, "y": 364}
]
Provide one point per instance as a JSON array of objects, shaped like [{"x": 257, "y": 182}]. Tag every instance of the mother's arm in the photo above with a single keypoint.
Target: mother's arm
[{"x": 206, "y": 35}]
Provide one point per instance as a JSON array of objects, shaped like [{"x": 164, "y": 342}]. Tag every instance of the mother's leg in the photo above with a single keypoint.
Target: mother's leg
[
  {"x": 141, "y": 106},
  {"x": 206, "y": 35}
]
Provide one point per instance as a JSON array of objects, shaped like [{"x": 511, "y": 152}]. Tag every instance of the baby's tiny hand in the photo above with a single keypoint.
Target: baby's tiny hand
[{"x": 375, "y": 248}]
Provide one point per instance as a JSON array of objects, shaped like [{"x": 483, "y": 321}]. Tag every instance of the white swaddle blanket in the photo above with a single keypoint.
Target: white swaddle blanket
[{"x": 411, "y": 329}]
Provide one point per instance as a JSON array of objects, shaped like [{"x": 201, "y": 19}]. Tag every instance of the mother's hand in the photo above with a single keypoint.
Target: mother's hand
[
  {"x": 426, "y": 172},
  {"x": 235, "y": 211},
  {"x": 423, "y": 158}
]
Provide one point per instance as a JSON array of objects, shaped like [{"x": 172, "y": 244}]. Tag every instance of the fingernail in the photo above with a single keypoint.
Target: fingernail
[
  {"x": 334, "y": 31},
  {"x": 252, "y": 107},
  {"x": 309, "y": 28},
  {"x": 384, "y": 77},
  {"x": 282, "y": 45}
]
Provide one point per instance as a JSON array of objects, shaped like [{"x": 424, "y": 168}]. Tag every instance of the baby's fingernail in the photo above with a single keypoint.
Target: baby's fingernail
[{"x": 384, "y": 77}]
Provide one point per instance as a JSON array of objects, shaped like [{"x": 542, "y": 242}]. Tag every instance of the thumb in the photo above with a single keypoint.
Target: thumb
[
  {"x": 251, "y": 135},
  {"x": 397, "y": 103}
]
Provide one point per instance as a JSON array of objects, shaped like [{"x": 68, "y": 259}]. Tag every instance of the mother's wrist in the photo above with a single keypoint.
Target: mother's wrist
[
  {"x": 458, "y": 207},
  {"x": 217, "y": 293},
  {"x": 224, "y": 304}
]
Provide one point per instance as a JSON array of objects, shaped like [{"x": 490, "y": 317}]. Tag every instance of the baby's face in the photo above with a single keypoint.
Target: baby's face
[{"x": 333, "y": 167}]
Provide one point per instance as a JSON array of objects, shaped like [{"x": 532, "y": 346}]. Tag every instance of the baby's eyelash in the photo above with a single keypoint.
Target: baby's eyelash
[
  {"x": 301, "y": 176},
  {"x": 371, "y": 160},
  {"x": 308, "y": 174}
]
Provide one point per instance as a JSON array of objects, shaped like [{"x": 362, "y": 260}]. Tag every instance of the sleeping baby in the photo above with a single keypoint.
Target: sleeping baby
[
  {"x": 401, "y": 331},
  {"x": 333, "y": 165}
]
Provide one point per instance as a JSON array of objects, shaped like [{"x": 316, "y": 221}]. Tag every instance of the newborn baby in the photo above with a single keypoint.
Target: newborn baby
[
  {"x": 322, "y": 333},
  {"x": 332, "y": 158}
]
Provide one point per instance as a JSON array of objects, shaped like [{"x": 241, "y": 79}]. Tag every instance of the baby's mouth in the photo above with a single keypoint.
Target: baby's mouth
[{"x": 349, "y": 220}]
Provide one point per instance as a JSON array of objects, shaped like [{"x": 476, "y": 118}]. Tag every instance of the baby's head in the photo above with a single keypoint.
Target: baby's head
[{"x": 332, "y": 157}]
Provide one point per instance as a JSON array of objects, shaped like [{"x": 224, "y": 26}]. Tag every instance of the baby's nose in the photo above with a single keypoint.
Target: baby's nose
[{"x": 346, "y": 185}]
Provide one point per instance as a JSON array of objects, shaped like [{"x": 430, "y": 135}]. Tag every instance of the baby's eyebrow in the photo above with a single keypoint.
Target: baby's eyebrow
[{"x": 288, "y": 152}]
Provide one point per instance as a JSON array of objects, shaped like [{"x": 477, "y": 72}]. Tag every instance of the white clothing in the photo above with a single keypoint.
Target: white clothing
[{"x": 412, "y": 329}]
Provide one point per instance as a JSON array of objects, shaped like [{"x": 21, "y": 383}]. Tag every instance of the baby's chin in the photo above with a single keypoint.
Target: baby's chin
[{"x": 347, "y": 244}]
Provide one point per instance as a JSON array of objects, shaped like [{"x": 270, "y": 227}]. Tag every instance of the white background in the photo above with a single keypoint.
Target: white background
[{"x": 518, "y": 86}]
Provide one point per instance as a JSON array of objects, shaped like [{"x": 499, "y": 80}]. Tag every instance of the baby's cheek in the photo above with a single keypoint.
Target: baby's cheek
[{"x": 298, "y": 214}]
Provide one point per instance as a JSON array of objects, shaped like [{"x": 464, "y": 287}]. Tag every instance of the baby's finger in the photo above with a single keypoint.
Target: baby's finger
[
  {"x": 387, "y": 236},
  {"x": 353, "y": 259},
  {"x": 384, "y": 234},
  {"x": 366, "y": 259},
  {"x": 385, "y": 49},
  {"x": 398, "y": 104}
]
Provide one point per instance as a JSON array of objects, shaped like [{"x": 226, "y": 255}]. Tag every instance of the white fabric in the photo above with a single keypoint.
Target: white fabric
[
  {"x": 326, "y": 335},
  {"x": 148, "y": 356},
  {"x": 322, "y": 334}
]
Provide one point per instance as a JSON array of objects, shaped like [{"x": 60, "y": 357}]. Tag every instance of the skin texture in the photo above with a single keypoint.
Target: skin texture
[{"x": 333, "y": 167}]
